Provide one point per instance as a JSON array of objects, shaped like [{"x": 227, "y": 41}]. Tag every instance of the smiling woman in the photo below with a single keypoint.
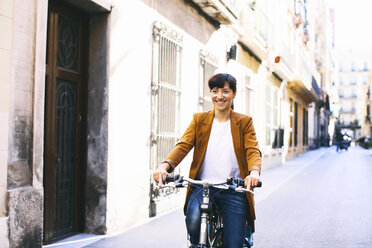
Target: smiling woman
[
  {"x": 225, "y": 145},
  {"x": 223, "y": 91}
]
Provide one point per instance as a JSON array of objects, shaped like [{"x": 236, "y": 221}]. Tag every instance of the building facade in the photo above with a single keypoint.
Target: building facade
[
  {"x": 95, "y": 93},
  {"x": 354, "y": 70},
  {"x": 368, "y": 108}
]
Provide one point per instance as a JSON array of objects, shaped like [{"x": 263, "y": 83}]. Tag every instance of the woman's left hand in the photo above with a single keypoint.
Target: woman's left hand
[{"x": 252, "y": 180}]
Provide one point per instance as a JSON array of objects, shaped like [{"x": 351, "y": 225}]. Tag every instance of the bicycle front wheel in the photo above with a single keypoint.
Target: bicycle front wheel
[{"x": 215, "y": 230}]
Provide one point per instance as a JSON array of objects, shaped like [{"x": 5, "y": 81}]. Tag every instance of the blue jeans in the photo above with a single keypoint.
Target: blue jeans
[{"x": 234, "y": 207}]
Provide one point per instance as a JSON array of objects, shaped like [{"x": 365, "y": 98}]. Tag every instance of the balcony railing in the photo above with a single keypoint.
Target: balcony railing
[
  {"x": 348, "y": 111},
  {"x": 348, "y": 97}
]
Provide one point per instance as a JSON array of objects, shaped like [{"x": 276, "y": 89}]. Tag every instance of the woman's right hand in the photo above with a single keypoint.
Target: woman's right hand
[{"x": 161, "y": 173}]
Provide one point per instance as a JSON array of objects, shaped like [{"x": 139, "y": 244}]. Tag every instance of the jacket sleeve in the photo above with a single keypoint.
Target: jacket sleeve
[
  {"x": 182, "y": 148},
  {"x": 252, "y": 152}
]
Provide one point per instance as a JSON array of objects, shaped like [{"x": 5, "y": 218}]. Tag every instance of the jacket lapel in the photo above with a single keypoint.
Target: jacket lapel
[
  {"x": 205, "y": 133},
  {"x": 235, "y": 133}
]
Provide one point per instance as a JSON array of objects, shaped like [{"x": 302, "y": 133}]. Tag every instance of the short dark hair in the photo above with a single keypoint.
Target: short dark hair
[{"x": 218, "y": 80}]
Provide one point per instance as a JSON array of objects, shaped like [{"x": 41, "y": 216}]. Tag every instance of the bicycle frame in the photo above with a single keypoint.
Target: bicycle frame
[{"x": 206, "y": 230}]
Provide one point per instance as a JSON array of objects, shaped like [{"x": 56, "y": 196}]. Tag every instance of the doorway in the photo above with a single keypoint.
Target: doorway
[{"x": 65, "y": 121}]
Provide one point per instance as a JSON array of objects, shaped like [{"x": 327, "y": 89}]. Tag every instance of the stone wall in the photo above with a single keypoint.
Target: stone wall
[
  {"x": 6, "y": 18},
  {"x": 96, "y": 188},
  {"x": 25, "y": 150},
  {"x": 25, "y": 212}
]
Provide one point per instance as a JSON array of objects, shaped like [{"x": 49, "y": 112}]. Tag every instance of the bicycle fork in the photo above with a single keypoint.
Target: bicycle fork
[{"x": 204, "y": 208}]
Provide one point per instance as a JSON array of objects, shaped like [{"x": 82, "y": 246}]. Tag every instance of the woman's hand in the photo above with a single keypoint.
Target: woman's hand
[
  {"x": 161, "y": 173},
  {"x": 252, "y": 180}
]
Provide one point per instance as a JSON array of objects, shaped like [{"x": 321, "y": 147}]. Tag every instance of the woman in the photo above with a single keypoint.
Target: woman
[{"x": 225, "y": 146}]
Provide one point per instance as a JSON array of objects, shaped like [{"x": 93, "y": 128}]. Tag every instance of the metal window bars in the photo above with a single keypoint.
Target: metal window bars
[{"x": 166, "y": 91}]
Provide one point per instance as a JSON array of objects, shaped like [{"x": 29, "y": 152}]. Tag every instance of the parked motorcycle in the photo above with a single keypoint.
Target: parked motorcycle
[{"x": 344, "y": 143}]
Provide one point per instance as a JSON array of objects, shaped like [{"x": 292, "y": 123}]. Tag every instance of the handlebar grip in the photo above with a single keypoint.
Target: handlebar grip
[
  {"x": 240, "y": 182},
  {"x": 171, "y": 178}
]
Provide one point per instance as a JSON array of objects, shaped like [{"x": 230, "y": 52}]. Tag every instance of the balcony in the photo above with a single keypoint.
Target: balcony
[
  {"x": 302, "y": 82},
  {"x": 348, "y": 111},
  {"x": 255, "y": 31},
  {"x": 223, "y": 11},
  {"x": 284, "y": 65},
  {"x": 348, "y": 97}
]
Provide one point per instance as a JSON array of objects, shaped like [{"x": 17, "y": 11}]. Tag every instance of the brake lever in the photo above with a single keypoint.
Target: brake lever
[{"x": 241, "y": 189}]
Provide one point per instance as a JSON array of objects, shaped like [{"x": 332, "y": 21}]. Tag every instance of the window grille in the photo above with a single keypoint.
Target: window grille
[
  {"x": 208, "y": 67},
  {"x": 167, "y": 50}
]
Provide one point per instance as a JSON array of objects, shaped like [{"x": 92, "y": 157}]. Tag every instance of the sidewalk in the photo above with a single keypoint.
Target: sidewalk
[{"x": 169, "y": 229}]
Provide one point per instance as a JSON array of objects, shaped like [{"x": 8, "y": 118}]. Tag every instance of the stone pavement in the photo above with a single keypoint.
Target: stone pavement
[{"x": 168, "y": 230}]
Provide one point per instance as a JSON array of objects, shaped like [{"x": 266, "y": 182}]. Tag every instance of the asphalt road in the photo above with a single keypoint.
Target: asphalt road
[
  {"x": 328, "y": 204},
  {"x": 319, "y": 199}
]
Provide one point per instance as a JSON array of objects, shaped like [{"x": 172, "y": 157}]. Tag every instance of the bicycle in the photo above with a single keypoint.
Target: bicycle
[{"x": 211, "y": 224}]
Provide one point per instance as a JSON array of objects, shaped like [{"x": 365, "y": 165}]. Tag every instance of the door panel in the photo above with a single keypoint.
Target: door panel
[{"x": 65, "y": 132}]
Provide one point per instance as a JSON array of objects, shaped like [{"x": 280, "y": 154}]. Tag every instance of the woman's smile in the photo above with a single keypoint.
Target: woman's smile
[{"x": 222, "y": 98}]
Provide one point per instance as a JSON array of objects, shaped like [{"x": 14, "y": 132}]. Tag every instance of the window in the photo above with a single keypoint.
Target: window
[
  {"x": 295, "y": 122},
  {"x": 366, "y": 67},
  {"x": 353, "y": 93},
  {"x": 305, "y": 128},
  {"x": 208, "y": 65},
  {"x": 341, "y": 93},
  {"x": 166, "y": 90},
  {"x": 272, "y": 113},
  {"x": 277, "y": 141},
  {"x": 290, "y": 121},
  {"x": 364, "y": 79},
  {"x": 248, "y": 94},
  {"x": 269, "y": 103},
  {"x": 353, "y": 66},
  {"x": 353, "y": 80}
]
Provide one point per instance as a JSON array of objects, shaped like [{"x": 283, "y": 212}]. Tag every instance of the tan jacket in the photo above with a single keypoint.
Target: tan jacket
[{"x": 197, "y": 135}]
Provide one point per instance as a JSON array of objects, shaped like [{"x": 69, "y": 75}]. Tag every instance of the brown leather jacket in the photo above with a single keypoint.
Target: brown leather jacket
[{"x": 197, "y": 135}]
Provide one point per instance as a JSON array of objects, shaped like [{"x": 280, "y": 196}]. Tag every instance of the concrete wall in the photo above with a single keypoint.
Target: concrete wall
[{"x": 6, "y": 18}]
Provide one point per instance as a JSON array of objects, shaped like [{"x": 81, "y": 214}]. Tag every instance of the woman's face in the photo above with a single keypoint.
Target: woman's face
[{"x": 222, "y": 97}]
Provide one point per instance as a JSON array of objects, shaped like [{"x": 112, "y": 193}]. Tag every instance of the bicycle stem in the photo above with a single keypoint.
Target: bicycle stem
[{"x": 204, "y": 215}]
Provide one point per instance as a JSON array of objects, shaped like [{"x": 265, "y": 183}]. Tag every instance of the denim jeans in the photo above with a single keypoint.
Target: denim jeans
[{"x": 234, "y": 207}]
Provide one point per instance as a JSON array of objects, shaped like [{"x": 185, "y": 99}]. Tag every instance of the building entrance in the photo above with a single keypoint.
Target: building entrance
[{"x": 65, "y": 127}]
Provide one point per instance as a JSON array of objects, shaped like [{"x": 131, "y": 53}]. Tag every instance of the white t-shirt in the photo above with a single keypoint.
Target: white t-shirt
[{"x": 220, "y": 160}]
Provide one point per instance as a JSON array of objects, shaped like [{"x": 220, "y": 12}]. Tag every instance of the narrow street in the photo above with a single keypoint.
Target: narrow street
[
  {"x": 328, "y": 204},
  {"x": 319, "y": 199}
]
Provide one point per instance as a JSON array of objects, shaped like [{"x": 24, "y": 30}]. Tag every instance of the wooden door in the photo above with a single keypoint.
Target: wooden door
[{"x": 65, "y": 127}]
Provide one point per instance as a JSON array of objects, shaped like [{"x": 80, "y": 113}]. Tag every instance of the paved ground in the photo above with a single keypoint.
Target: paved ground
[
  {"x": 319, "y": 199},
  {"x": 328, "y": 204}
]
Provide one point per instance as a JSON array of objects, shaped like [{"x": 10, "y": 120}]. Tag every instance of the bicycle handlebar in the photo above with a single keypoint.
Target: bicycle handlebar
[{"x": 230, "y": 181}]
